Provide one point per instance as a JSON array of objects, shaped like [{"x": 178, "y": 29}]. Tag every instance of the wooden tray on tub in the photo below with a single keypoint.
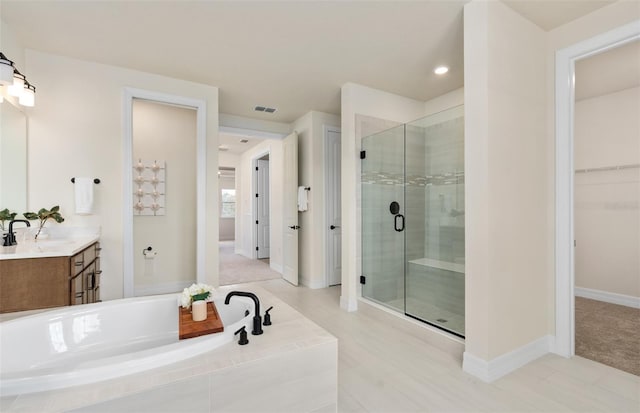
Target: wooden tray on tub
[{"x": 190, "y": 329}]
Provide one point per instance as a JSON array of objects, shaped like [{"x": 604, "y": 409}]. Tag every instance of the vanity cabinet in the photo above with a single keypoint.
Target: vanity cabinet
[
  {"x": 84, "y": 286},
  {"x": 36, "y": 283}
]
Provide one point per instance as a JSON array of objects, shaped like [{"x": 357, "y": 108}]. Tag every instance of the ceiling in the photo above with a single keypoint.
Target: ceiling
[
  {"x": 234, "y": 145},
  {"x": 293, "y": 56},
  {"x": 608, "y": 72}
]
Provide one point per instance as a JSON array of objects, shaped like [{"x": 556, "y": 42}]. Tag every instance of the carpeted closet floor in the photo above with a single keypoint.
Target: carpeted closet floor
[
  {"x": 609, "y": 334},
  {"x": 236, "y": 269}
]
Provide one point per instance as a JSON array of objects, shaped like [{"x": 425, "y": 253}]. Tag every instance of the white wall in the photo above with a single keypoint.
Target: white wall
[
  {"x": 505, "y": 191},
  {"x": 167, "y": 134},
  {"x": 359, "y": 103},
  {"x": 312, "y": 248},
  {"x": 13, "y": 49},
  {"x": 75, "y": 129},
  {"x": 607, "y": 221},
  {"x": 260, "y": 126},
  {"x": 245, "y": 201},
  {"x": 13, "y": 133},
  {"x": 304, "y": 127}
]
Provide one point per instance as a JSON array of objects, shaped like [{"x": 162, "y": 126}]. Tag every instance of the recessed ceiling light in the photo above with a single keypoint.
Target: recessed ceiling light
[
  {"x": 440, "y": 70},
  {"x": 223, "y": 148}
]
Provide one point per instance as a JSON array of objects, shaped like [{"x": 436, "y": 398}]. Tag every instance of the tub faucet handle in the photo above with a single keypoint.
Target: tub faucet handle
[
  {"x": 267, "y": 317},
  {"x": 243, "y": 336}
]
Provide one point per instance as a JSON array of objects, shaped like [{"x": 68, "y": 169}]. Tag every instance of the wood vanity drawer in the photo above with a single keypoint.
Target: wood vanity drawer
[{"x": 77, "y": 264}]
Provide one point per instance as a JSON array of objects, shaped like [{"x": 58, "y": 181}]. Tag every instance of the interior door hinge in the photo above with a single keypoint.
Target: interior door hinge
[
  {"x": 256, "y": 195},
  {"x": 363, "y": 279},
  {"x": 256, "y": 168},
  {"x": 256, "y": 222},
  {"x": 363, "y": 154},
  {"x": 256, "y": 248}
]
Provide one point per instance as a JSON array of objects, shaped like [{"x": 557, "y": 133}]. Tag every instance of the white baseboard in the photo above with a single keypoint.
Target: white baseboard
[
  {"x": 349, "y": 305},
  {"x": 164, "y": 288},
  {"x": 489, "y": 371},
  {"x": 312, "y": 284},
  {"x": 275, "y": 267},
  {"x": 607, "y": 297}
]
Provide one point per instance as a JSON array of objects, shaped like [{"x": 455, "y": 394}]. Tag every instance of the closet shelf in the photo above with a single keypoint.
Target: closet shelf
[{"x": 607, "y": 168}]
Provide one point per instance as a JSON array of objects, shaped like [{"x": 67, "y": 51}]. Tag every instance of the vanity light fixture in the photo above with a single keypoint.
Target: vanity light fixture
[
  {"x": 440, "y": 70},
  {"x": 28, "y": 96},
  {"x": 16, "y": 83},
  {"x": 6, "y": 70}
]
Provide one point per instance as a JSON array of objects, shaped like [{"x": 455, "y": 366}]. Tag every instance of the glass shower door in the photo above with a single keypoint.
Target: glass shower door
[
  {"x": 382, "y": 211},
  {"x": 435, "y": 273},
  {"x": 413, "y": 209}
]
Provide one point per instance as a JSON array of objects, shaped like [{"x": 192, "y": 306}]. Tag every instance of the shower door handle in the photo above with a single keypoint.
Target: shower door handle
[{"x": 395, "y": 222}]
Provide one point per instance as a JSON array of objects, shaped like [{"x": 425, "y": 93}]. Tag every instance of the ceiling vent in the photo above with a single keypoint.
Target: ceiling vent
[
  {"x": 264, "y": 109},
  {"x": 244, "y": 140}
]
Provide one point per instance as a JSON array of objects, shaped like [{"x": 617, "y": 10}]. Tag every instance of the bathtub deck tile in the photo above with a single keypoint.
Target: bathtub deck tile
[{"x": 291, "y": 337}]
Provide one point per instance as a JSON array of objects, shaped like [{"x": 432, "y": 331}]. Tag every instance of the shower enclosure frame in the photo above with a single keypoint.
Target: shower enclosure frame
[{"x": 418, "y": 269}]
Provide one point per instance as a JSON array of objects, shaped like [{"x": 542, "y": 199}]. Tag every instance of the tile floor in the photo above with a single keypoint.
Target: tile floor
[{"x": 389, "y": 365}]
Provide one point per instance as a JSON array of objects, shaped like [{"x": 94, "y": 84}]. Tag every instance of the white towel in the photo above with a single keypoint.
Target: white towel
[
  {"x": 302, "y": 199},
  {"x": 84, "y": 196}
]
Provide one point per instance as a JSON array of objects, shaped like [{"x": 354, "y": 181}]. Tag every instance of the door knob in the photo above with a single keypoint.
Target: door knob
[
  {"x": 334, "y": 226},
  {"x": 294, "y": 227}
]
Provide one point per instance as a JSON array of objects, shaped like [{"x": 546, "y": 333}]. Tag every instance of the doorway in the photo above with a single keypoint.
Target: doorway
[
  {"x": 137, "y": 175},
  {"x": 606, "y": 214},
  {"x": 262, "y": 211},
  {"x": 333, "y": 205},
  {"x": 565, "y": 171}
]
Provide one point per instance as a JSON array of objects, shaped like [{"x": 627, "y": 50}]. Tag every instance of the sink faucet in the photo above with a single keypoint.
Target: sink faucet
[
  {"x": 10, "y": 237},
  {"x": 257, "y": 319}
]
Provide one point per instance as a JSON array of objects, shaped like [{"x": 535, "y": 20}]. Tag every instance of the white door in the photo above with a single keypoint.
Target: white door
[
  {"x": 334, "y": 210},
  {"x": 290, "y": 189},
  {"x": 262, "y": 200}
]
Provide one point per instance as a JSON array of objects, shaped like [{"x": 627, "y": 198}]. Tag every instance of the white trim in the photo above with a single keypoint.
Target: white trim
[
  {"x": 276, "y": 267},
  {"x": 325, "y": 238},
  {"x": 489, "y": 371},
  {"x": 564, "y": 225},
  {"x": 411, "y": 320},
  {"x": 229, "y": 130},
  {"x": 607, "y": 297},
  {"x": 348, "y": 304},
  {"x": 311, "y": 284},
  {"x": 127, "y": 185},
  {"x": 164, "y": 288}
]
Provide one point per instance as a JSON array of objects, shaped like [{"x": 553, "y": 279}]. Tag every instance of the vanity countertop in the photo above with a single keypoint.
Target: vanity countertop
[{"x": 48, "y": 247}]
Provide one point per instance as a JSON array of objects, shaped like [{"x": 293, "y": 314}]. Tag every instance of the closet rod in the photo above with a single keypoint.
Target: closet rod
[{"x": 608, "y": 168}]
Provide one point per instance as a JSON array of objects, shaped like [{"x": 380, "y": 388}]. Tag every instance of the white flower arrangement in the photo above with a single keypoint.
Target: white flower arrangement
[{"x": 195, "y": 293}]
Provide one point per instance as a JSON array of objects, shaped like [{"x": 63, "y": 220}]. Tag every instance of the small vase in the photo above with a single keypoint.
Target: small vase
[{"x": 199, "y": 310}]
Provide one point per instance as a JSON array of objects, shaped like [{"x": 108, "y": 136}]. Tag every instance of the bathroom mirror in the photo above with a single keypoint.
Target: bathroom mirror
[{"x": 13, "y": 158}]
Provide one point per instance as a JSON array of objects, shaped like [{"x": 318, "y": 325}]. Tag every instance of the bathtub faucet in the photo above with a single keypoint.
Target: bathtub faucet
[
  {"x": 10, "y": 238},
  {"x": 257, "y": 319}
]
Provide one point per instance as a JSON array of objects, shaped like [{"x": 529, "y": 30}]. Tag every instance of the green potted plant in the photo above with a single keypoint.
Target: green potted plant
[
  {"x": 44, "y": 215},
  {"x": 6, "y": 215}
]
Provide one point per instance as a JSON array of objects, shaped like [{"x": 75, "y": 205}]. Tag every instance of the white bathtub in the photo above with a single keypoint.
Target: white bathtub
[{"x": 95, "y": 342}]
